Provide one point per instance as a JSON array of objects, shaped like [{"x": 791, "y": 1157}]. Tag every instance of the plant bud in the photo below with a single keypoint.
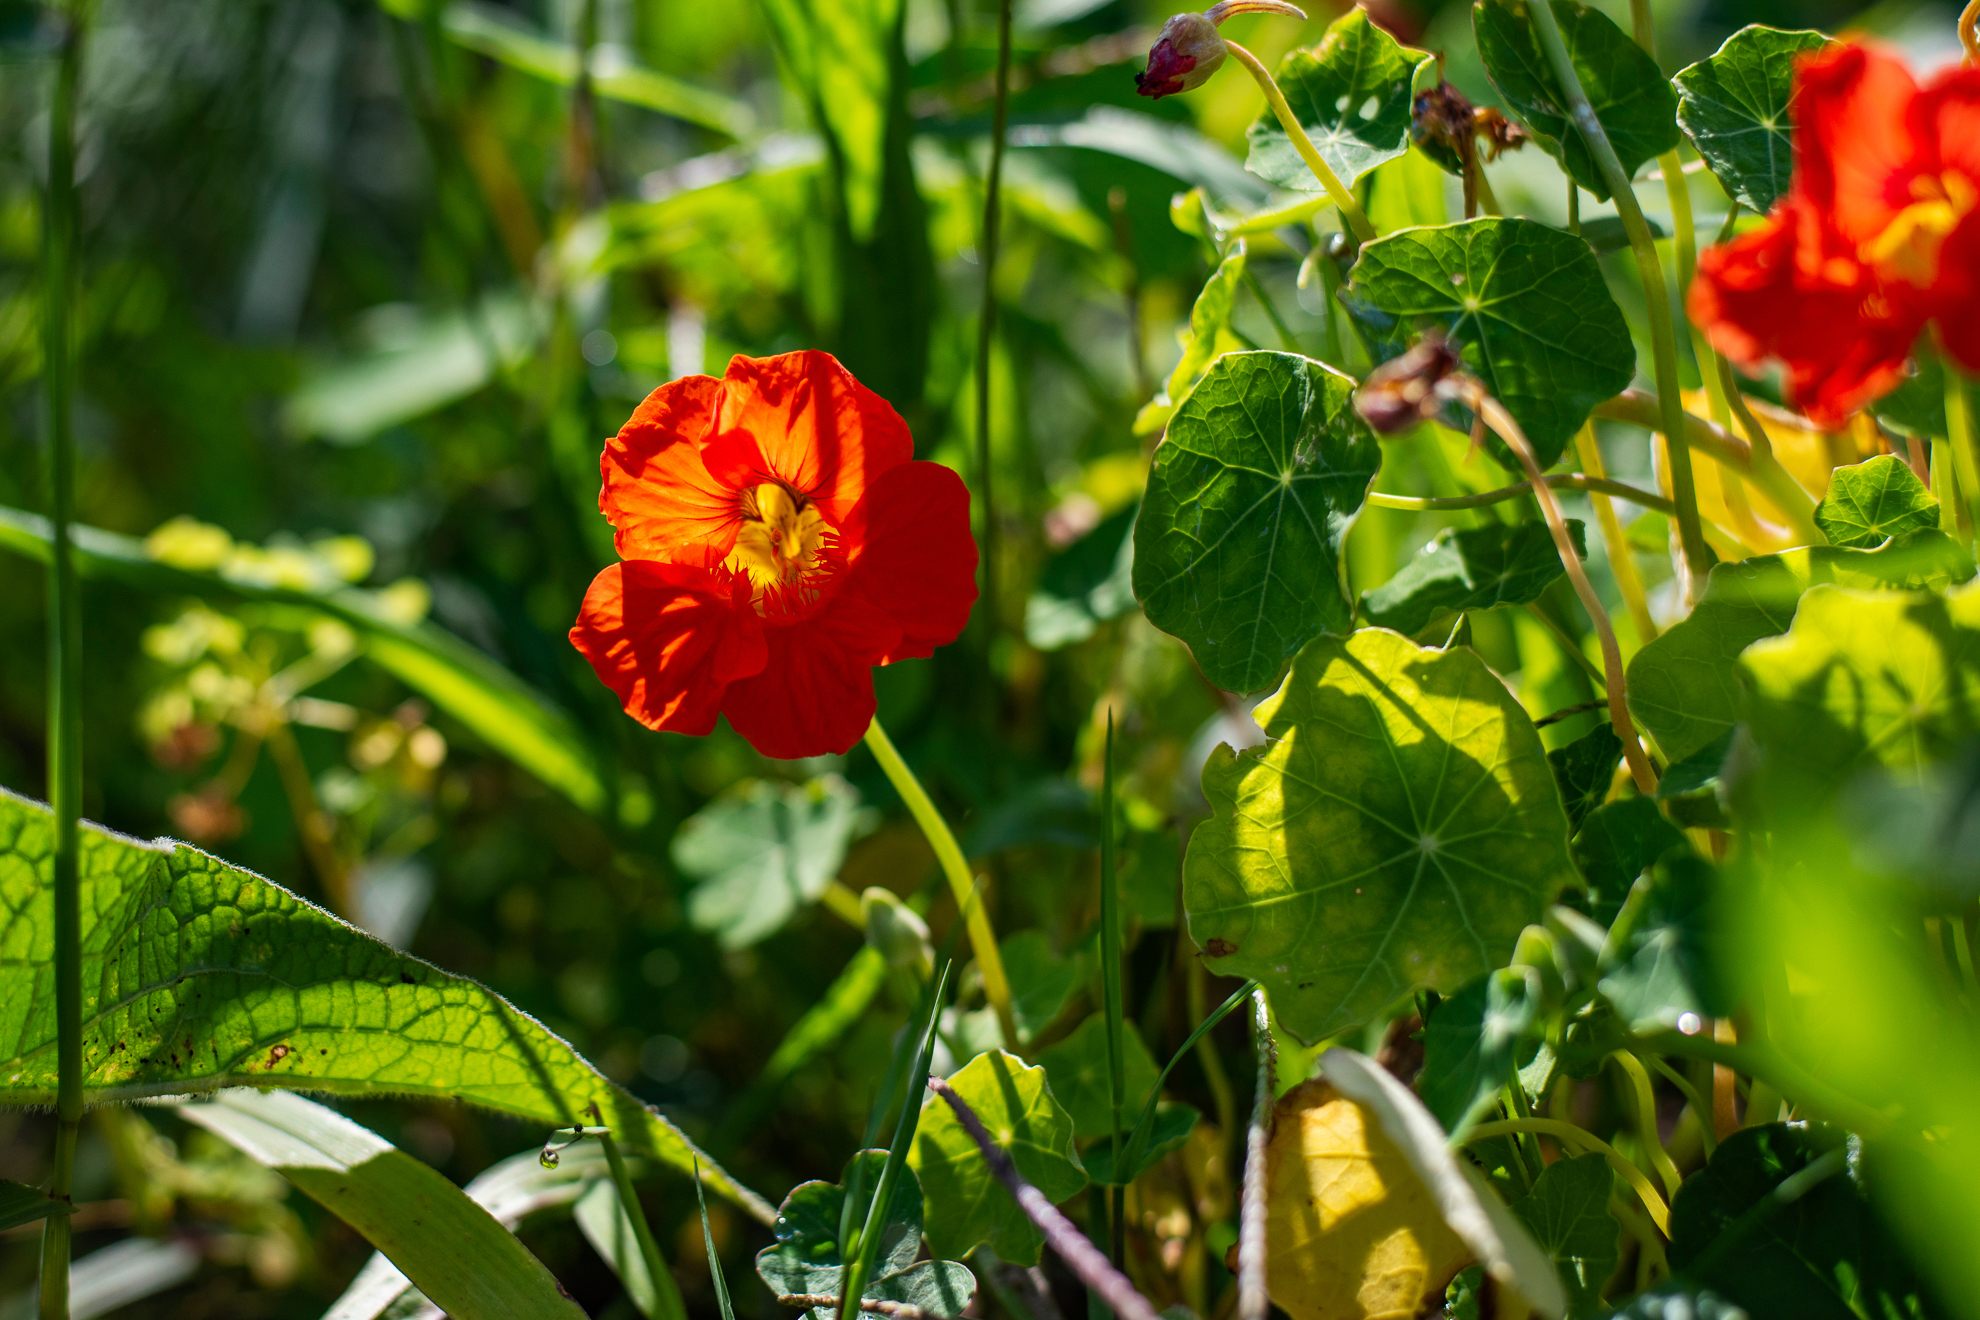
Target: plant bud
[
  {"x": 1408, "y": 389},
  {"x": 897, "y": 932},
  {"x": 1186, "y": 53}
]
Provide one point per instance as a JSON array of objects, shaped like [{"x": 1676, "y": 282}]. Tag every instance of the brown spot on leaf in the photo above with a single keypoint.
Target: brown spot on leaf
[
  {"x": 1218, "y": 947},
  {"x": 276, "y": 1055}
]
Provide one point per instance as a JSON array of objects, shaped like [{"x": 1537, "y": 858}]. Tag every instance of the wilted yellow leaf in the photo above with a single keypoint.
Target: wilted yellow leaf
[
  {"x": 1352, "y": 1232},
  {"x": 1808, "y": 453}
]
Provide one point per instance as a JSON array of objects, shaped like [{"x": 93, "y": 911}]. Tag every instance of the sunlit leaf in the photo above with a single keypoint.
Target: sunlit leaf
[
  {"x": 1473, "y": 568},
  {"x": 1870, "y": 502},
  {"x": 1525, "y": 304},
  {"x": 198, "y": 975},
  {"x": 1469, "y": 1042},
  {"x": 1203, "y": 339},
  {"x": 452, "y": 1249},
  {"x": 1682, "y": 686},
  {"x": 1237, "y": 549},
  {"x": 1733, "y": 105},
  {"x": 762, "y": 852},
  {"x": 809, "y": 1259},
  {"x": 966, "y": 1205},
  {"x": 1397, "y": 830},
  {"x": 1628, "y": 92},
  {"x": 1351, "y": 93},
  {"x": 1568, "y": 1214},
  {"x": 1821, "y": 1252}
]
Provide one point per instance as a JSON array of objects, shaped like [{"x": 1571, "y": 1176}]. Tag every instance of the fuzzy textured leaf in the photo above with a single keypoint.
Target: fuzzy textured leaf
[
  {"x": 1629, "y": 94},
  {"x": 1526, "y": 305},
  {"x": 1237, "y": 549},
  {"x": 1351, "y": 93},
  {"x": 1733, "y": 104},
  {"x": 1397, "y": 830},
  {"x": 199, "y": 975}
]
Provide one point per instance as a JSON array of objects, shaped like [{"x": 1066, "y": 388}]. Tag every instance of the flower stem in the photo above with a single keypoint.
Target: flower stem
[
  {"x": 1558, "y": 480},
  {"x": 1622, "y": 559},
  {"x": 59, "y": 240},
  {"x": 1343, "y": 198},
  {"x": 982, "y": 939},
  {"x": 1758, "y": 465},
  {"x": 1494, "y": 414},
  {"x": 1569, "y": 1134},
  {"x": 1964, "y": 436},
  {"x": 1694, "y": 555}
]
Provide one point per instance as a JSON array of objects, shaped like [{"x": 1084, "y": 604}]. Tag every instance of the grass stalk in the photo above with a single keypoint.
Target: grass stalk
[
  {"x": 986, "y": 320},
  {"x": 59, "y": 243},
  {"x": 1113, "y": 991},
  {"x": 955, "y": 868}
]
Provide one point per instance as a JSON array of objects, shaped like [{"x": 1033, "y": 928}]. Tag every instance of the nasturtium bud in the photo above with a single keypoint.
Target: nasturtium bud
[
  {"x": 1185, "y": 54},
  {"x": 896, "y": 932}
]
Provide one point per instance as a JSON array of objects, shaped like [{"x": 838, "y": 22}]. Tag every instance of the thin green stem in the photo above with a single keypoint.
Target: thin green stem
[
  {"x": 949, "y": 853},
  {"x": 1643, "y": 1100},
  {"x": 1728, "y": 450},
  {"x": 1695, "y": 556},
  {"x": 1558, "y": 480},
  {"x": 1694, "y": 1097},
  {"x": 1765, "y": 1065},
  {"x": 1342, "y": 196},
  {"x": 59, "y": 242},
  {"x": 986, "y": 320},
  {"x": 666, "y": 1293},
  {"x": 1964, "y": 436},
  {"x": 1570, "y": 1134},
  {"x": 1622, "y": 557}
]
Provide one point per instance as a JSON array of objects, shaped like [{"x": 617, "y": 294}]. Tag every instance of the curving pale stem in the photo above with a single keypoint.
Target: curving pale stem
[
  {"x": 1342, "y": 196},
  {"x": 1494, "y": 414}
]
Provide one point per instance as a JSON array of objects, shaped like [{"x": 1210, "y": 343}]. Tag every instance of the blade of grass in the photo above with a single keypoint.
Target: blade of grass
[
  {"x": 59, "y": 239},
  {"x": 1113, "y": 990},
  {"x": 715, "y": 1276},
  {"x": 986, "y": 322},
  {"x": 666, "y": 1298},
  {"x": 852, "y": 1285},
  {"x": 1144, "y": 1125}
]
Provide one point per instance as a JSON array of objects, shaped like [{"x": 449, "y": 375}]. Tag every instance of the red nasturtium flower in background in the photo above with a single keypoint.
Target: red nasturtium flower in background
[
  {"x": 1877, "y": 238},
  {"x": 778, "y": 541}
]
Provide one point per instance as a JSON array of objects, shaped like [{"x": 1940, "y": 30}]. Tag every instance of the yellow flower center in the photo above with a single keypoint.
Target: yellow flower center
[
  {"x": 780, "y": 536},
  {"x": 1909, "y": 247}
]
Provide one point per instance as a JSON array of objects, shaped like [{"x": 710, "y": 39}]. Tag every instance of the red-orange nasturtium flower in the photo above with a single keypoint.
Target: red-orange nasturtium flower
[
  {"x": 778, "y": 541},
  {"x": 1877, "y": 238}
]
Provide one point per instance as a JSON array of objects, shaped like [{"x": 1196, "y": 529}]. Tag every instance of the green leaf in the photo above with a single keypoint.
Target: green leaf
[
  {"x": 22, "y": 1204},
  {"x": 1351, "y": 93},
  {"x": 1077, "y": 1068},
  {"x": 1870, "y": 502},
  {"x": 601, "y": 1217},
  {"x": 199, "y": 975},
  {"x": 762, "y": 852},
  {"x": 1615, "y": 845},
  {"x": 1734, "y": 106},
  {"x": 452, "y": 1249},
  {"x": 488, "y": 700},
  {"x": 808, "y": 1257},
  {"x": 966, "y": 1205},
  {"x": 1206, "y": 336},
  {"x": 1669, "y": 966},
  {"x": 1568, "y": 1212},
  {"x": 839, "y": 56},
  {"x": 1525, "y": 304},
  {"x": 1397, "y": 830},
  {"x": 1084, "y": 585},
  {"x": 1888, "y": 678},
  {"x": 1169, "y": 1129},
  {"x": 1629, "y": 94},
  {"x": 1474, "y": 568},
  {"x": 1586, "y": 769},
  {"x": 1683, "y": 686},
  {"x": 1917, "y": 407},
  {"x": 1778, "y": 1224},
  {"x": 1042, "y": 979},
  {"x": 1469, "y": 1044},
  {"x": 1238, "y": 547}
]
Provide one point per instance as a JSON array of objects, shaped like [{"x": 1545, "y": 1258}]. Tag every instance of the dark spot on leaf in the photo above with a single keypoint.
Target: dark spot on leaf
[
  {"x": 1218, "y": 947},
  {"x": 276, "y": 1055},
  {"x": 407, "y": 978}
]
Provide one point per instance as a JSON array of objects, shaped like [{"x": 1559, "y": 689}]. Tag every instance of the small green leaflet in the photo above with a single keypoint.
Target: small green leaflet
[
  {"x": 1870, "y": 502},
  {"x": 1585, "y": 769},
  {"x": 1733, "y": 104},
  {"x": 1473, "y": 568},
  {"x": 1084, "y": 585},
  {"x": 1205, "y": 337},
  {"x": 1397, "y": 831},
  {"x": 762, "y": 852},
  {"x": 1237, "y": 549},
  {"x": 966, "y": 1205},
  {"x": 1568, "y": 1214},
  {"x": 1352, "y": 94},
  {"x": 1077, "y": 1067},
  {"x": 1526, "y": 305},
  {"x": 808, "y": 1258},
  {"x": 22, "y": 1204},
  {"x": 1469, "y": 1042},
  {"x": 452, "y": 1249},
  {"x": 1628, "y": 92},
  {"x": 1682, "y": 686},
  {"x": 1615, "y": 845},
  {"x": 199, "y": 975},
  {"x": 1670, "y": 963},
  {"x": 1042, "y": 979}
]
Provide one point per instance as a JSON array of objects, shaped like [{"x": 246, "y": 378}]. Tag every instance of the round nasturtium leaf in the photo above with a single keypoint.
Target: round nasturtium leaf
[
  {"x": 1397, "y": 830},
  {"x": 1734, "y": 106},
  {"x": 1352, "y": 94},
  {"x": 1351, "y": 1231},
  {"x": 1629, "y": 94},
  {"x": 1524, "y": 303},
  {"x": 1238, "y": 547}
]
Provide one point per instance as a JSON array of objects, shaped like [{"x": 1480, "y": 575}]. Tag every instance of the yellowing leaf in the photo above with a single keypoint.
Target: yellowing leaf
[
  {"x": 1351, "y": 1229},
  {"x": 1807, "y": 453}
]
